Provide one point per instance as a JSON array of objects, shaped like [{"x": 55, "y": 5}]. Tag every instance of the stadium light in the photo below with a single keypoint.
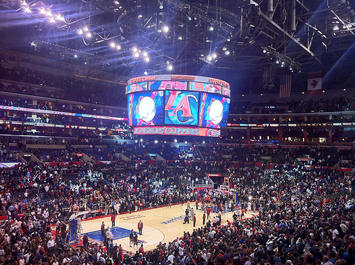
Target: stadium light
[
  {"x": 51, "y": 20},
  {"x": 209, "y": 58},
  {"x": 165, "y": 29},
  {"x": 214, "y": 55},
  {"x": 136, "y": 54},
  {"x": 27, "y": 10},
  {"x": 175, "y": 140},
  {"x": 180, "y": 38},
  {"x": 227, "y": 52},
  {"x": 145, "y": 54},
  {"x": 169, "y": 67},
  {"x": 75, "y": 56},
  {"x": 134, "y": 49},
  {"x": 118, "y": 47},
  {"x": 147, "y": 59},
  {"x": 80, "y": 32},
  {"x": 145, "y": 73},
  {"x": 86, "y": 29},
  {"x": 156, "y": 141},
  {"x": 88, "y": 35},
  {"x": 60, "y": 18},
  {"x": 140, "y": 16},
  {"x": 112, "y": 44},
  {"x": 211, "y": 28},
  {"x": 48, "y": 13}
]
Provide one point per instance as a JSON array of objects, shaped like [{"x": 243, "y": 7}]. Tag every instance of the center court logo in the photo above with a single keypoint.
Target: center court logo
[{"x": 174, "y": 219}]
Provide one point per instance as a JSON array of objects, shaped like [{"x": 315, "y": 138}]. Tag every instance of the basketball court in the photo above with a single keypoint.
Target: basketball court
[{"x": 162, "y": 224}]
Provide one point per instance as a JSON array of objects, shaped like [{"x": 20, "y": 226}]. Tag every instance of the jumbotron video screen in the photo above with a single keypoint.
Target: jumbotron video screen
[{"x": 177, "y": 105}]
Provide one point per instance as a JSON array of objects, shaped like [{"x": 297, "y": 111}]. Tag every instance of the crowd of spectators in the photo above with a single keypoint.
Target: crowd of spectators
[
  {"x": 99, "y": 149},
  {"x": 6, "y": 155},
  {"x": 305, "y": 216},
  {"x": 314, "y": 156}
]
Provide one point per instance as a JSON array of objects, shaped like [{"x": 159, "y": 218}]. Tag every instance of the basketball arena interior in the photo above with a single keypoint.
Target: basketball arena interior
[{"x": 177, "y": 132}]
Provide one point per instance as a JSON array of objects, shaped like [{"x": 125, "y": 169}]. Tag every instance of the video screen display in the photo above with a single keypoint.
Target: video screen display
[
  {"x": 226, "y": 92},
  {"x": 213, "y": 111},
  {"x": 168, "y": 85},
  {"x": 205, "y": 87},
  {"x": 181, "y": 108},
  {"x": 178, "y": 105},
  {"x": 137, "y": 87},
  {"x": 146, "y": 108}
]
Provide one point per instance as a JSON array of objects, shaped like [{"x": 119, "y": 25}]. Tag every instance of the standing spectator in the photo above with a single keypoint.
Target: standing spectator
[
  {"x": 86, "y": 241},
  {"x": 103, "y": 228},
  {"x": 208, "y": 212},
  {"x": 140, "y": 227},
  {"x": 113, "y": 219}
]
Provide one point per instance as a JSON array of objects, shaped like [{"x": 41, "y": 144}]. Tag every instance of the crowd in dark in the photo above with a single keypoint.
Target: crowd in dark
[
  {"x": 305, "y": 105},
  {"x": 53, "y": 104},
  {"x": 66, "y": 86},
  {"x": 305, "y": 215}
]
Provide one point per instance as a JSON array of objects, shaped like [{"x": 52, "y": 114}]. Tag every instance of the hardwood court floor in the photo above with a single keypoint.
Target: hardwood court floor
[{"x": 160, "y": 225}]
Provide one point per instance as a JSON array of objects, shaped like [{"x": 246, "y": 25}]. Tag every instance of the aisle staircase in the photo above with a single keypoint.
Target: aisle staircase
[
  {"x": 30, "y": 157},
  {"x": 121, "y": 156}
]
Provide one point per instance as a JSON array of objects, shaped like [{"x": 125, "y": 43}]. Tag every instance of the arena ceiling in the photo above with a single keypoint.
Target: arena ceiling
[{"x": 241, "y": 41}]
